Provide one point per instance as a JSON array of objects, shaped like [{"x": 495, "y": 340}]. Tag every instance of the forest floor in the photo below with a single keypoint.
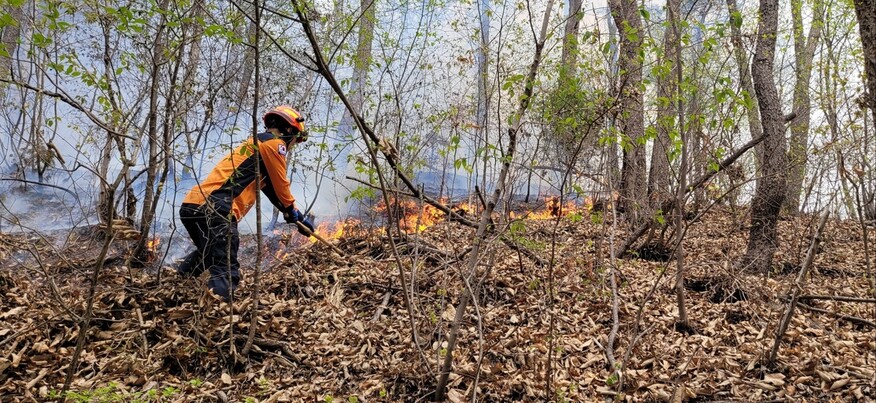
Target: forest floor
[{"x": 335, "y": 328}]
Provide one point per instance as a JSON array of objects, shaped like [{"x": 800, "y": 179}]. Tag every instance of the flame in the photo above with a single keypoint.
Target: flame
[
  {"x": 465, "y": 208},
  {"x": 553, "y": 209},
  {"x": 421, "y": 219},
  {"x": 152, "y": 244},
  {"x": 414, "y": 217},
  {"x": 338, "y": 229}
]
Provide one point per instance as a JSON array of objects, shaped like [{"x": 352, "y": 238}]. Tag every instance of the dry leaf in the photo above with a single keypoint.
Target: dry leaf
[
  {"x": 840, "y": 383},
  {"x": 456, "y": 396}
]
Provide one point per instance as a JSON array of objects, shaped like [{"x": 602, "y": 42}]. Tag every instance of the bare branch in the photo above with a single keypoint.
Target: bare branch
[{"x": 67, "y": 100}]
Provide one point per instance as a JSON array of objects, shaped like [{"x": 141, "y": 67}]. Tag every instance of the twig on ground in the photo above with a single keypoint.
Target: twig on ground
[
  {"x": 837, "y": 298},
  {"x": 382, "y": 307},
  {"x": 853, "y": 319}
]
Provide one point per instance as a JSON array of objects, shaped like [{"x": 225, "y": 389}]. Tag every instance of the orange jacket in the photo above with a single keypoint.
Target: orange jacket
[{"x": 230, "y": 186}]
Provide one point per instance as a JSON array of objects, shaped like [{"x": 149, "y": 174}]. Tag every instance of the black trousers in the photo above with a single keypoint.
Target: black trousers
[{"x": 216, "y": 240}]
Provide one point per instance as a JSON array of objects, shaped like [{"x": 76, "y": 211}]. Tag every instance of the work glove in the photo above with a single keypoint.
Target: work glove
[
  {"x": 305, "y": 222},
  {"x": 293, "y": 215}
]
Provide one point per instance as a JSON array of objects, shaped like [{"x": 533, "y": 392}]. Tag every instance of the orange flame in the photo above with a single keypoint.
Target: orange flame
[
  {"x": 553, "y": 209},
  {"x": 414, "y": 218},
  {"x": 338, "y": 229},
  {"x": 152, "y": 244}
]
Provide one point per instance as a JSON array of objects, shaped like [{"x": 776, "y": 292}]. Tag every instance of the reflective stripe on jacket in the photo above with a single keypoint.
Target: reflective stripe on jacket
[{"x": 230, "y": 186}]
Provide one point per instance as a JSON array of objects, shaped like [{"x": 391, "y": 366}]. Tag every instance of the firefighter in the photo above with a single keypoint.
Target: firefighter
[{"x": 212, "y": 209}]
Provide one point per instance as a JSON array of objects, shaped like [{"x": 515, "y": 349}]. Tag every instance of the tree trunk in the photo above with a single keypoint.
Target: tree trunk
[
  {"x": 361, "y": 67},
  {"x": 247, "y": 64},
  {"x": 771, "y": 186},
  {"x": 754, "y": 125},
  {"x": 483, "y": 105},
  {"x": 9, "y": 42},
  {"x": 674, "y": 8},
  {"x": 630, "y": 124},
  {"x": 658, "y": 176},
  {"x": 804, "y": 51},
  {"x": 153, "y": 164},
  {"x": 866, "y": 12},
  {"x": 569, "y": 61}
]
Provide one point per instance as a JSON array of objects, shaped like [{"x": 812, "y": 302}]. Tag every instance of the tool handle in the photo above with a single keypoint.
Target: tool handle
[{"x": 303, "y": 228}]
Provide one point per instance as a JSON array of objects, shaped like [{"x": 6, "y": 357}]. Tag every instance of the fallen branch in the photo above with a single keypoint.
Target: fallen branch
[
  {"x": 34, "y": 381},
  {"x": 858, "y": 372},
  {"x": 853, "y": 319},
  {"x": 270, "y": 344},
  {"x": 382, "y": 307},
  {"x": 419, "y": 244},
  {"x": 838, "y": 298}
]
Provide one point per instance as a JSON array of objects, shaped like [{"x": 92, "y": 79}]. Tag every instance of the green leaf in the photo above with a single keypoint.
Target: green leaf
[
  {"x": 736, "y": 19},
  {"x": 41, "y": 40},
  {"x": 658, "y": 216},
  {"x": 650, "y": 133},
  {"x": 517, "y": 227},
  {"x": 6, "y": 20},
  {"x": 596, "y": 217}
]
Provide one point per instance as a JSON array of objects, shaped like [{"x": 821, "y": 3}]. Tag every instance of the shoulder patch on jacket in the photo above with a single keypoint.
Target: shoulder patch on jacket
[{"x": 281, "y": 149}]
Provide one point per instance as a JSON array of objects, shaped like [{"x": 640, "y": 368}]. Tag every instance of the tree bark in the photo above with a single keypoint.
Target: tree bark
[
  {"x": 631, "y": 120},
  {"x": 754, "y": 126},
  {"x": 153, "y": 164},
  {"x": 804, "y": 52},
  {"x": 658, "y": 176},
  {"x": 675, "y": 48},
  {"x": 569, "y": 60},
  {"x": 771, "y": 186},
  {"x": 9, "y": 42},
  {"x": 483, "y": 101},
  {"x": 361, "y": 67},
  {"x": 866, "y": 12}
]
